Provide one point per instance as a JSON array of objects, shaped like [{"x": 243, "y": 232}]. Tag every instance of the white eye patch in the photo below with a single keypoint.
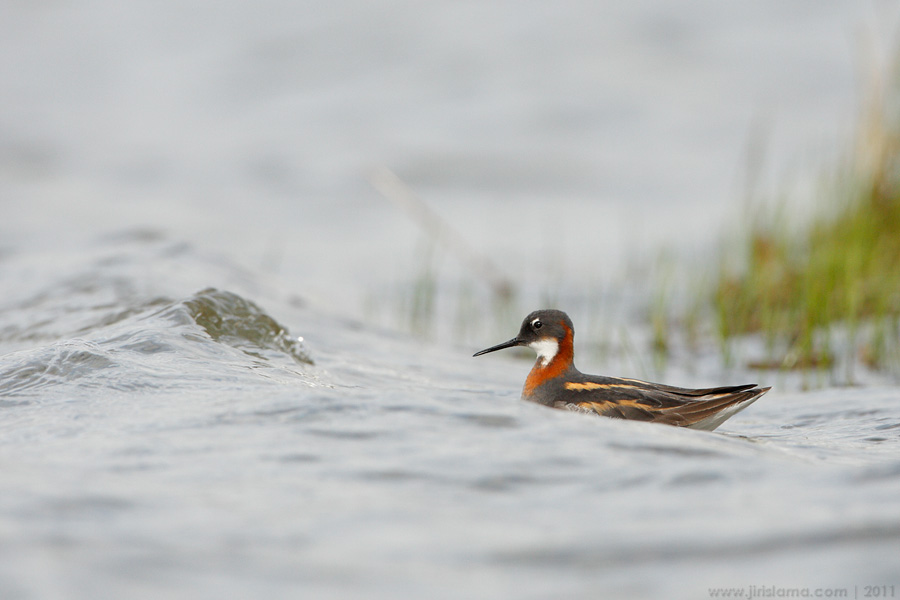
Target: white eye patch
[{"x": 546, "y": 349}]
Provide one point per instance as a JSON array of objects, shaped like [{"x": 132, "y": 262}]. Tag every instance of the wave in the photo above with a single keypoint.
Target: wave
[{"x": 213, "y": 335}]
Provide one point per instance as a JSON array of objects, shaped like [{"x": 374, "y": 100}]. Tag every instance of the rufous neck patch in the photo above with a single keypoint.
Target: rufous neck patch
[{"x": 549, "y": 365}]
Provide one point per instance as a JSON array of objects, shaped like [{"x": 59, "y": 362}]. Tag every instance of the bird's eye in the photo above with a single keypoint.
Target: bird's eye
[{"x": 536, "y": 324}]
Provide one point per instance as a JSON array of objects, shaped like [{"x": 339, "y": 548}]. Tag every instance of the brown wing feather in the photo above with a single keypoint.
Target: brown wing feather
[
  {"x": 621, "y": 409},
  {"x": 680, "y": 391},
  {"x": 663, "y": 406},
  {"x": 703, "y": 409}
]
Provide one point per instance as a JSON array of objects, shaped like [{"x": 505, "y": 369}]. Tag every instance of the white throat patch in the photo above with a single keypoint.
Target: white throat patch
[{"x": 546, "y": 349}]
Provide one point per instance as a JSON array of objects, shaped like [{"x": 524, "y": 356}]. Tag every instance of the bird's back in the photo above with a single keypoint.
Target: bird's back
[{"x": 644, "y": 401}]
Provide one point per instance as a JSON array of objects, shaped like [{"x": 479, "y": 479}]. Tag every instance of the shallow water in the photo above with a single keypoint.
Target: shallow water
[{"x": 184, "y": 198}]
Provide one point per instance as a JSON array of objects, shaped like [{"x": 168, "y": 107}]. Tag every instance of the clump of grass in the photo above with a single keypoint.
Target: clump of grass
[
  {"x": 421, "y": 302},
  {"x": 842, "y": 268}
]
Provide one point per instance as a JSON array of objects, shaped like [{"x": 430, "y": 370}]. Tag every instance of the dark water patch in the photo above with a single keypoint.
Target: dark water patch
[
  {"x": 138, "y": 467},
  {"x": 394, "y": 476},
  {"x": 505, "y": 483},
  {"x": 491, "y": 421},
  {"x": 694, "y": 478},
  {"x": 138, "y": 235},
  {"x": 230, "y": 319},
  {"x": 887, "y": 426},
  {"x": 295, "y": 457},
  {"x": 346, "y": 434},
  {"x": 411, "y": 409},
  {"x": 279, "y": 412}
]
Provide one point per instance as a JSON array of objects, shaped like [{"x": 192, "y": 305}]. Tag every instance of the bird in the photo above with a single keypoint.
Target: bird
[{"x": 555, "y": 382}]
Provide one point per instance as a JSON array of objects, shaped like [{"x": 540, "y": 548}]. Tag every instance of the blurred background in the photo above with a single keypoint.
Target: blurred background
[
  {"x": 709, "y": 188},
  {"x": 571, "y": 145}
]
